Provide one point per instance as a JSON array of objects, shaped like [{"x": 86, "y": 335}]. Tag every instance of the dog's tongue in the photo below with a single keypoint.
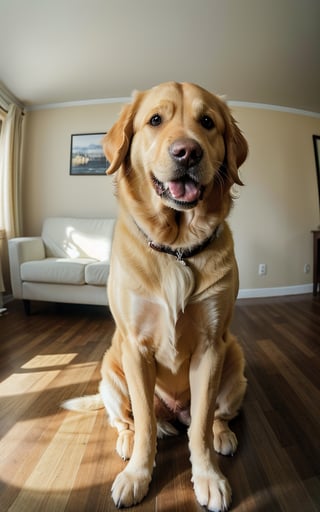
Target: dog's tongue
[{"x": 187, "y": 191}]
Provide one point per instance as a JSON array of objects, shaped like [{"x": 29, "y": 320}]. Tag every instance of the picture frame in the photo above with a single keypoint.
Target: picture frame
[
  {"x": 86, "y": 155},
  {"x": 316, "y": 147}
]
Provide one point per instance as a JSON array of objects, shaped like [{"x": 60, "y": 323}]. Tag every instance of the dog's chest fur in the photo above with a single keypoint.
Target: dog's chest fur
[{"x": 172, "y": 323}]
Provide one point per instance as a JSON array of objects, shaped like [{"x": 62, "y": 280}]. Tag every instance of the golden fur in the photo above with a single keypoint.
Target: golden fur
[{"x": 176, "y": 150}]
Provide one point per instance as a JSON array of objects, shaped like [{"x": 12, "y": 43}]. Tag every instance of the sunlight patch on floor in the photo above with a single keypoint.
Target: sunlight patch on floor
[{"x": 46, "y": 361}]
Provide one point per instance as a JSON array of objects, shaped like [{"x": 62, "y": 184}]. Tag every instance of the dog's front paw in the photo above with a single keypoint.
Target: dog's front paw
[
  {"x": 212, "y": 491},
  {"x": 225, "y": 442},
  {"x": 125, "y": 443},
  {"x": 130, "y": 487}
]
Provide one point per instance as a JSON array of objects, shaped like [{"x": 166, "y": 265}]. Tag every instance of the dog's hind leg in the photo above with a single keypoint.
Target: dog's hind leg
[
  {"x": 231, "y": 392},
  {"x": 115, "y": 395}
]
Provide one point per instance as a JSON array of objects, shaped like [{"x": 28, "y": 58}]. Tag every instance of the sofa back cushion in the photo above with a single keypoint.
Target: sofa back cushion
[{"x": 67, "y": 237}]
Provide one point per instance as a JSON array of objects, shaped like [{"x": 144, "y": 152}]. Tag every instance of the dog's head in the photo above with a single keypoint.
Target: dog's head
[{"x": 179, "y": 144}]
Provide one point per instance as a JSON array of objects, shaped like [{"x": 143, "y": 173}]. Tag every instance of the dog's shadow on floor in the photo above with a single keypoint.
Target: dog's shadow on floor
[
  {"x": 171, "y": 481},
  {"x": 172, "y": 473},
  {"x": 171, "y": 487}
]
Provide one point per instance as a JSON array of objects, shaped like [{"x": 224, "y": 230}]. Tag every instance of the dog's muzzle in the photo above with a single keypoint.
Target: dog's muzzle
[{"x": 184, "y": 190}]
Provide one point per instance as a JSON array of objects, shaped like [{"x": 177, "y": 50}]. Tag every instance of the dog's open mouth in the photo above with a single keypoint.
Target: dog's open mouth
[{"x": 184, "y": 192}]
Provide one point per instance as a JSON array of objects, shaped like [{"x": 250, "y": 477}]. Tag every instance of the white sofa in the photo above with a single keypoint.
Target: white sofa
[{"x": 68, "y": 263}]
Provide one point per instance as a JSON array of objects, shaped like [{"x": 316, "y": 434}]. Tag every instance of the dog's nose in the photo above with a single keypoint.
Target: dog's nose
[{"x": 186, "y": 152}]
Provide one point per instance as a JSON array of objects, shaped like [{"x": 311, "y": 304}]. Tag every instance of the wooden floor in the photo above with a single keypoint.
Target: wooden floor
[{"x": 54, "y": 460}]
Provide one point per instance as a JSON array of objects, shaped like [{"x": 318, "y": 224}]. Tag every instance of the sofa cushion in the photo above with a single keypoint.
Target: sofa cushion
[
  {"x": 67, "y": 237},
  {"x": 55, "y": 270},
  {"x": 97, "y": 273}
]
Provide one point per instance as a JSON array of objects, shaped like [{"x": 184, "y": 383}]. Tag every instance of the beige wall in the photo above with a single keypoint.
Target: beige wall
[
  {"x": 278, "y": 206},
  {"x": 48, "y": 189},
  {"x": 271, "y": 219}
]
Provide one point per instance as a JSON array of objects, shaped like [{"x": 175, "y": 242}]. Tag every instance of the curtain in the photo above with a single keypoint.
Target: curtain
[
  {"x": 2, "y": 288},
  {"x": 10, "y": 172},
  {"x": 10, "y": 186}
]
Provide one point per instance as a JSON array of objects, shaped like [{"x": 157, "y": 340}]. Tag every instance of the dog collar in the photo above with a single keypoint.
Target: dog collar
[{"x": 182, "y": 253}]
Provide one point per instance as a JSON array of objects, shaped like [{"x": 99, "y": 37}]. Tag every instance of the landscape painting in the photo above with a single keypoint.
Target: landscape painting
[{"x": 86, "y": 155}]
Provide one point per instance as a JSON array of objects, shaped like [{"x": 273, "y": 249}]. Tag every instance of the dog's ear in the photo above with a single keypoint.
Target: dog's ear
[
  {"x": 236, "y": 150},
  {"x": 116, "y": 142}
]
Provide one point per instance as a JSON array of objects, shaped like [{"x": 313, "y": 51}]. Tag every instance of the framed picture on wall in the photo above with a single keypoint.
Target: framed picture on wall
[{"x": 86, "y": 155}]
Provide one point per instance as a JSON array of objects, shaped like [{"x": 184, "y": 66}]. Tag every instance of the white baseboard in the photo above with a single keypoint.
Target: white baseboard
[{"x": 274, "y": 292}]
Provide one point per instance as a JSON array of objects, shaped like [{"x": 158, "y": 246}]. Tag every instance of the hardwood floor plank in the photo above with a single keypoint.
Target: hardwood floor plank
[
  {"x": 52, "y": 471},
  {"x": 97, "y": 470},
  {"x": 284, "y": 484},
  {"x": 308, "y": 394}
]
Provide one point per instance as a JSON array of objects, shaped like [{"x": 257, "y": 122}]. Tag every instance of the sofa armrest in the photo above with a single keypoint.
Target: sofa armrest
[{"x": 20, "y": 250}]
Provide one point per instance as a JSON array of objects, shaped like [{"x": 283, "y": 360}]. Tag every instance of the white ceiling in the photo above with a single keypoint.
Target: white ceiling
[{"x": 261, "y": 51}]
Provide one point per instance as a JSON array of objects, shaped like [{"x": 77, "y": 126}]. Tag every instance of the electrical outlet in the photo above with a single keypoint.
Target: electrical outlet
[
  {"x": 262, "y": 269},
  {"x": 306, "y": 268}
]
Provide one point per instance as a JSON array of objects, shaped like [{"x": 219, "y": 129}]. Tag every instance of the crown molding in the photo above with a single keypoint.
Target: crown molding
[
  {"x": 231, "y": 103},
  {"x": 80, "y": 103},
  {"x": 277, "y": 108}
]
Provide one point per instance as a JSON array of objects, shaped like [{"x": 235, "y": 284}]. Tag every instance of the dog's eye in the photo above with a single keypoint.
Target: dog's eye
[
  {"x": 155, "y": 120},
  {"x": 207, "y": 122}
]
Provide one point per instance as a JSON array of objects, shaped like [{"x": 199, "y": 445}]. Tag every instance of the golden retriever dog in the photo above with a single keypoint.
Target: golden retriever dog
[{"x": 176, "y": 150}]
